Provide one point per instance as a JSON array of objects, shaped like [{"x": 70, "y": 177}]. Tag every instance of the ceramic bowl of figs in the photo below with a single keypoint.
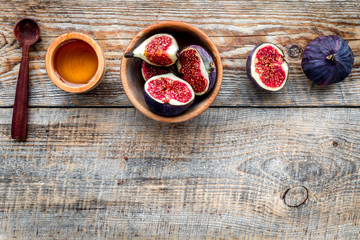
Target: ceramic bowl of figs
[{"x": 171, "y": 71}]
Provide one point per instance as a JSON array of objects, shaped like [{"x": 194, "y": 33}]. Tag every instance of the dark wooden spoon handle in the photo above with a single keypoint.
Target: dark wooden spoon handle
[{"x": 19, "y": 120}]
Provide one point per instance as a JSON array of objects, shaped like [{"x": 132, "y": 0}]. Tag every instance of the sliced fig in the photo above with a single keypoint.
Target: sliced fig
[
  {"x": 197, "y": 68},
  {"x": 267, "y": 68},
  {"x": 327, "y": 60},
  {"x": 168, "y": 95},
  {"x": 158, "y": 50},
  {"x": 148, "y": 70}
]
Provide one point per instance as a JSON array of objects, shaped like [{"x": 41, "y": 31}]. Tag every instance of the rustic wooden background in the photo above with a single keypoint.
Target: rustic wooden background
[{"x": 255, "y": 165}]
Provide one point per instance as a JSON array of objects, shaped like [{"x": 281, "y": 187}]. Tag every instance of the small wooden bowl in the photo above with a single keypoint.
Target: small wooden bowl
[
  {"x": 133, "y": 83},
  {"x": 49, "y": 63}
]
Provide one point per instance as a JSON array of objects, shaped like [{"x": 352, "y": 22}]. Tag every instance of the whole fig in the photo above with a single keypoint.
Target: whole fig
[{"x": 327, "y": 60}]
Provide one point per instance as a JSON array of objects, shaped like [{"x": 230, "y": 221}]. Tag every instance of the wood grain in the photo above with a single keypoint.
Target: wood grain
[
  {"x": 96, "y": 173},
  {"x": 256, "y": 165},
  {"x": 234, "y": 26}
]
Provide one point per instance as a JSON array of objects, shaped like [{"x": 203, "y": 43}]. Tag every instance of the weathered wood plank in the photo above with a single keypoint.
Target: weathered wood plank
[
  {"x": 246, "y": 173},
  {"x": 218, "y": 18},
  {"x": 235, "y": 27}
]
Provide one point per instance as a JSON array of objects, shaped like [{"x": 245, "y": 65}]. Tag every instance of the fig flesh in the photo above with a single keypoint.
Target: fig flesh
[
  {"x": 148, "y": 71},
  {"x": 327, "y": 60},
  {"x": 197, "y": 67},
  {"x": 158, "y": 50},
  {"x": 267, "y": 68},
  {"x": 168, "y": 95}
]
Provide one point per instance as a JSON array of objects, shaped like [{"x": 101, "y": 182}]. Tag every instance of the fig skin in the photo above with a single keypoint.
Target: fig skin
[
  {"x": 209, "y": 65},
  {"x": 249, "y": 63},
  {"x": 327, "y": 60},
  {"x": 167, "y": 109},
  {"x": 168, "y": 56}
]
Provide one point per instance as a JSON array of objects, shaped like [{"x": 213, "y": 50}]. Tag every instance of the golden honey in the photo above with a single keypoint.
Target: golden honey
[{"x": 75, "y": 62}]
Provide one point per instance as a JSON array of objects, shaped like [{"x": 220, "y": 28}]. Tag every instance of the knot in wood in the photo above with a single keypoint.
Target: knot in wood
[
  {"x": 295, "y": 51},
  {"x": 296, "y": 196}
]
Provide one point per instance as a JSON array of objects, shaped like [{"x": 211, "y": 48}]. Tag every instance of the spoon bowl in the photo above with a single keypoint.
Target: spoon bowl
[{"x": 27, "y": 31}]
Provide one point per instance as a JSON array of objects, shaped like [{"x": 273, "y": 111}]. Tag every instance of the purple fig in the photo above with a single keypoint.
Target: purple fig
[
  {"x": 327, "y": 60},
  {"x": 168, "y": 95},
  {"x": 158, "y": 50},
  {"x": 198, "y": 68},
  {"x": 148, "y": 71},
  {"x": 267, "y": 68}
]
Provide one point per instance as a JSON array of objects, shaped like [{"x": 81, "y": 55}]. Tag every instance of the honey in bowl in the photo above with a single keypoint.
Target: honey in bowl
[{"x": 75, "y": 62}]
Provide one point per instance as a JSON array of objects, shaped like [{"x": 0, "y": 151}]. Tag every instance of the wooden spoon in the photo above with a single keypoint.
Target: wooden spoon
[{"x": 27, "y": 33}]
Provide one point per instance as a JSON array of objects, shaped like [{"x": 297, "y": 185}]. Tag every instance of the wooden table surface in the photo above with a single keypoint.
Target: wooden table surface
[{"x": 255, "y": 165}]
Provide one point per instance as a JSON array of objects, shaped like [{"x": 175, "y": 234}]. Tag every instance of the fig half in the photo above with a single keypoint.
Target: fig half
[
  {"x": 148, "y": 71},
  {"x": 197, "y": 67},
  {"x": 168, "y": 95},
  {"x": 158, "y": 50},
  {"x": 327, "y": 60},
  {"x": 267, "y": 68}
]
